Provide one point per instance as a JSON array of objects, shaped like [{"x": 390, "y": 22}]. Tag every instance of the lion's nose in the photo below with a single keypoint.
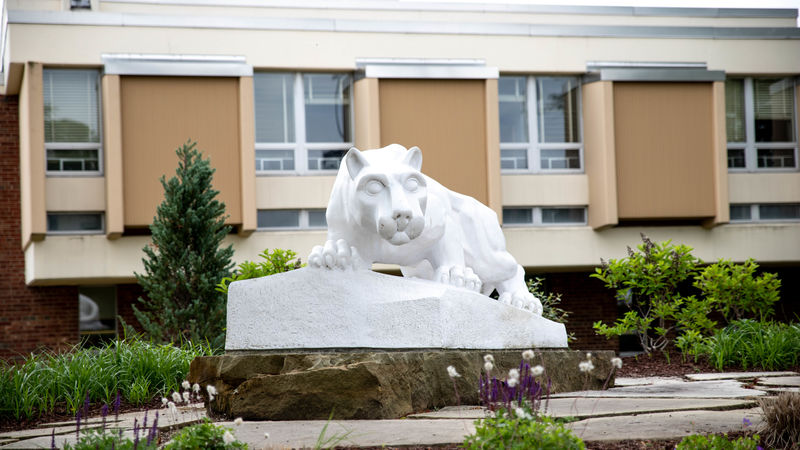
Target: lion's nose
[{"x": 402, "y": 218}]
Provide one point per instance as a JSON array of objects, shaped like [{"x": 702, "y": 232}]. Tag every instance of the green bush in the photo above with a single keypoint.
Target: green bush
[
  {"x": 274, "y": 261},
  {"x": 138, "y": 370},
  {"x": 112, "y": 439},
  {"x": 204, "y": 435},
  {"x": 521, "y": 431},
  {"x": 736, "y": 291},
  {"x": 752, "y": 344},
  {"x": 648, "y": 283},
  {"x": 717, "y": 442},
  {"x": 550, "y": 304},
  {"x": 184, "y": 262}
]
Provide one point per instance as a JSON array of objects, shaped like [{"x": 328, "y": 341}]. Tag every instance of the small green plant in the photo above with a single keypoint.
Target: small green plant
[
  {"x": 551, "y": 303},
  {"x": 648, "y": 282},
  {"x": 737, "y": 292},
  {"x": 782, "y": 420},
  {"x": 521, "y": 430},
  {"x": 274, "y": 261},
  {"x": 205, "y": 435},
  {"x": 751, "y": 344},
  {"x": 718, "y": 442}
]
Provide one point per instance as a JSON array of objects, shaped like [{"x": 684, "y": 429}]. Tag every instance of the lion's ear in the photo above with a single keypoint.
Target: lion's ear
[
  {"x": 414, "y": 158},
  {"x": 355, "y": 162}
]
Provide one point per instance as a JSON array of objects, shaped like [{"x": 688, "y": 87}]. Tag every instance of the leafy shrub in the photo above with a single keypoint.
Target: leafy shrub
[
  {"x": 138, "y": 370},
  {"x": 736, "y": 291},
  {"x": 782, "y": 420},
  {"x": 519, "y": 430},
  {"x": 144, "y": 438},
  {"x": 275, "y": 261},
  {"x": 550, "y": 304},
  {"x": 184, "y": 262},
  {"x": 750, "y": 343},
  {"x": 648, "y": 283},
  {"x": 204, "y": 435},
  {"x": 717, "y": 442}
]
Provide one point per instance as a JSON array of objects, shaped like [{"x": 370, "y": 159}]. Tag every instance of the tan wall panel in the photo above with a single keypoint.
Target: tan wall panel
[
  {"x": 292, "y": 192},
  {"x": 447, "y": 120},
  {"x": 665, "y": 154},
  {"x": 112, "y": 148},
  {"x": 76, "y": 194},
  {"x": 159, "y": 114},
  {"x": 32, "y": 156},
  {"x": 545, "y": 190},
  {"x": 598, "y": 153},
  {"x": 494, "y": 183},
  {"x": 764, "y": 187},
  {"x": 719, "y": 156},
  {"x": 367, "y": 114},
  {"x": 247, "y": 154}
]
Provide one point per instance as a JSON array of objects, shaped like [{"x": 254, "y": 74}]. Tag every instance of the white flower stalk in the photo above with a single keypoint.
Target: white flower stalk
[
  {"x": 186, "y": 397},
  {"x": 588, "y": 355},
  {"x": 173, "y": 410},
  {"x": 513, "y": 377},
  {"x": 512, "y": 382},
  {"x": 164, "y": 401},
  {"x": 521, "y": 413},
  {"x": 616, "y": 362},
  {"x": 528, "y": 355},
  {"x": 266, "y": 435},
  {"x": 586, "y": 366},
  {"x": 176, "y": 397},
  {"x": 185, "y": 385},
  {"x": 488, "y": 358},
  {"x": 196, "y": 388},
  {"x": 238, "y": 421},
  {"x": 537, "y": 370},
  {"x": 212, "y": 391},
  {"x": 451, "y": 371},
  {"x": 228, "y": 438},
  {"x": 488, "y": 366}
]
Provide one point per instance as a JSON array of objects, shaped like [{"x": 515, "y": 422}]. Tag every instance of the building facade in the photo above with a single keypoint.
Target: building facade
[{"x": 582, "y": 127}]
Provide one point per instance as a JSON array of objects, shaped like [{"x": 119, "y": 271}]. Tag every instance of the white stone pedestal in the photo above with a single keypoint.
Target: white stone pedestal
[{"x": 310, "y": 309}]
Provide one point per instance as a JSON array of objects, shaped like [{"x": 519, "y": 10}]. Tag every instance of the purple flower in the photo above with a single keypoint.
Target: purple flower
[
  {"x": 746, "y": 422},
  {"x": 104, "y": 412},
  {"x": 116, "y": 407}
]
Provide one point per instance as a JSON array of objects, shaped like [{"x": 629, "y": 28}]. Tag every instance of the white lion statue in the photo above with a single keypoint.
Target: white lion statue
[{"x": 383, "y": 209}]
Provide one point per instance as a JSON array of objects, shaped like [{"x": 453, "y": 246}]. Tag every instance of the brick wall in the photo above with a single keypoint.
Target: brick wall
[
  {"x": 587, "y": 301},
  {"x": 127, "y": 295},
  {"x": 30, "y": 317}
]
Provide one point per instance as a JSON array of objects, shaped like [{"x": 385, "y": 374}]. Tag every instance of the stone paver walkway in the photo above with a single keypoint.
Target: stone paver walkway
[{"x": 638, "y": 408}]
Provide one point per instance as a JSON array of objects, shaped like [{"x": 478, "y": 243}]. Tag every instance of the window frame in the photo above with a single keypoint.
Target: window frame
[
  {"x": 750, "y": 146},
  {"x": 98, "y": 146},
  {"x": 536, "y": 217},
  {"x": 303, "y": 221},
  {"x": 100, "y": 231},
  {"x": 533, "y": 147},
  {"x": 300, "y": 147}
]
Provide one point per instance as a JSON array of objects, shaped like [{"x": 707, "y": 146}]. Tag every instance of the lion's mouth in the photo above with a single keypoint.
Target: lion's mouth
[{"x": 402, "y": 230}]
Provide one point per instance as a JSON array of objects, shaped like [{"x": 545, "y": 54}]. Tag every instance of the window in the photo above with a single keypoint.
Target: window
[
  {"x": 544, "y": 216},
  {"x": 303, "y": 121},
  {"x": 765, "y": 212},
  {"x": 80, "y": 4},
  {"x": 97, "y": 314},
  {"x": 72, "y": 121},
  {"x": 74, "y": 223},
  {"x": 760, "y": 123},
  {"x": 540, "y": 124},
  {"x": 287, "y": 219}
]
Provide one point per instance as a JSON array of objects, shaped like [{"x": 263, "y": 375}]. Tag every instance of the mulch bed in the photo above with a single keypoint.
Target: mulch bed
[{"x": 661, "y": 365}]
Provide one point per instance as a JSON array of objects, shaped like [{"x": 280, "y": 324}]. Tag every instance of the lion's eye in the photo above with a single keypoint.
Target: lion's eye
[
  {"x": 412, "y": 184},
  {"x": 374, "y": 187}
]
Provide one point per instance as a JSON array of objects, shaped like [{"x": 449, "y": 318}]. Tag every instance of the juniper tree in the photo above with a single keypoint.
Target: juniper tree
[{"x": 184, "y": 262}]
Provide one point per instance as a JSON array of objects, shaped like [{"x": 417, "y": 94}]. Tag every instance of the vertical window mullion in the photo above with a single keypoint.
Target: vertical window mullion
[
  {"x": 537, "y": 216},
  {"x": 303, "y": 222},
  {"x": 750, "y": 157},
  {"x": 301, "y": 152},
  {"x": 534, "y": 160}
]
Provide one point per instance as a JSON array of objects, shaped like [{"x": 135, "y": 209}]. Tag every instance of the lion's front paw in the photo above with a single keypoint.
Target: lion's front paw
[
  {"x": 523, "y": 300},
  {"x": 459, "y": 276},
  {"x": 335, "y": 255}
]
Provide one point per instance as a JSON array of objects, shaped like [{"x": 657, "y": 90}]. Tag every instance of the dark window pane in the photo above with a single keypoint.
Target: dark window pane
[
  {"x": 776, "y": 157},
  {"x": 513, "y": 159},
  {"x": 736, "y": 158},
  {"x": 779, "y": 212},
  {"x": 561, "y": 159},
  {"x": 316, "y": 218},
  {"x": 327, "y": 103},
  {"x": 274, "y": 107},
  {"x": 513, "y": 109},
  {"x": 563, "y": 215},
  {"x": 75, "y": 160},
  {"x": 558, "y": 109},
  {"x": 774, "y": 109},
  {"x": 74, "y": 222},
  {"x": 325, "y": 159},
  {"x": 278, "y": 218},
  {"x": 740, "y": 213},
  {"x": 517, "y": 216}
]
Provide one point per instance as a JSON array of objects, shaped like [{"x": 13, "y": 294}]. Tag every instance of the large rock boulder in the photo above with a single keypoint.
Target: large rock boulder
[{"x": 371, "y": 384}]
